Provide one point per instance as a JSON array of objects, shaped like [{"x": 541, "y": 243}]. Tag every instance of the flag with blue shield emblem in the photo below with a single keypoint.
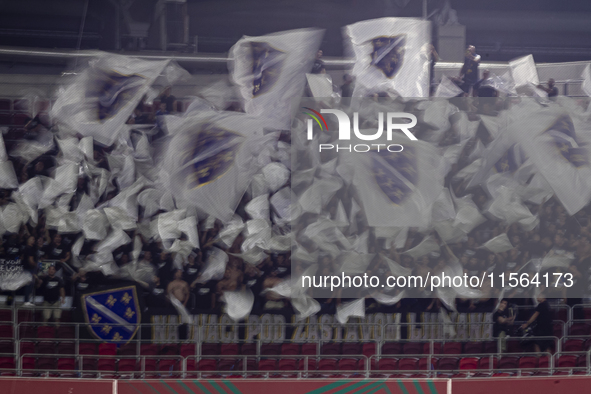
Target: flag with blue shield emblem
[{"x": 113, "y": 315}]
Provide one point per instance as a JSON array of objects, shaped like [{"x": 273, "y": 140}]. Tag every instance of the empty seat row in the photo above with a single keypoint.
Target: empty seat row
[{"x": 439, "y": 348}]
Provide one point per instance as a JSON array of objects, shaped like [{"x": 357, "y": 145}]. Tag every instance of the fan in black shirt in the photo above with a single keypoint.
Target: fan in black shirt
[
  {"x": 56, "y": 250},
  {"x": 54, "y": 294},
  {"x": 543, "y": 318}
]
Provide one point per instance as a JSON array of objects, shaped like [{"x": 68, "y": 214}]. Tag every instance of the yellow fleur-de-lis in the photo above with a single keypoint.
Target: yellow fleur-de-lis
[
  {"x": 129, "y": 313},
  {"x": 117, "y": 337},
  {"x": 111, "y": 301},
  {"x": 126, "y": 298},
  {"x": 106, "y": 329},
  {"x": 96, "y": 318}
]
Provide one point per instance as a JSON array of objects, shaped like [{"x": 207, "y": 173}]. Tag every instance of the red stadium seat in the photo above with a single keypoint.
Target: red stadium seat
[
  {"x": 129, "y": 349},
  {"x": 290, "y": 349},
  {"x": 567, "y": 362},
  {"x": 127, "y": 365},
  {"x": 46, "y": 363},
  {"x": 327, "y": 364},
  {"x": 169, "y": 365},
  {"x": 5, "y": 314},
  {"x": 7, "y": 346},
  {"x": 229, "y": 349},
  {"x": 574, "y": 345},
  {"x": 268, "y": 365},
  {"x": 484, "y": 363},
  {"x": 468, "y": 363},
  {"x": 287, "y": 365},
  {"x": 27, "y": 348},
  {"x": 29, "y": 363},
  {"x": 107, "y": 349},
  {"x": 207, "y": 365},
  {"x": 408, "y": 364},
  {"x": 106, "y": 364},
  {"x": 361, "y": 364},
  {"x": 65, "y": 332},
  {"x": 490, "y": 347},
  {"x": 412, "y": 348},
  {"x": 7, "y": 363},
  {"x": 169, "y": 349},
  {"x": 508, "y": 362},
  {"x": 148, "y": 350},
  {"x": 309, "y": 349},
  {"x": 270, "y": 349},
  {"x": 528, "y": 362},
  {"x": 369, "y": 349},
  {"x": 248, "y": 349},
  {"x": 187, "y": 349},
  {"x": 447, "y": 363},
  {"x": 561, "y": 314},
  {"x": 311, "y": 364},
  {"x": 436, "y": 348},
  {"x": 87, "y": 348},
  {"x": 227, "y": 364},
  {"x": 424, "y": 364},
  {"x": 66, "y": 348},
  {"x": 331, "y": 349},
  {"x": 351, "y": 348},
  {"x": 473, "y": 348},
  {"x": 210, "y": 349},
  {"x": 348, "y": 364},
  {"x": 579, "y": 329},
  {"x": 514, "y": 346},
  {"x": 452, "y": 348},
  {"x": 543, "y": 362},
  {"x": 388, "y": 364},
  {"x": 251, "y": 365},
  {"x": 392, "y": 348},
  {"x": 46, "y": 347},
  {"x": 6, "y": 332}
]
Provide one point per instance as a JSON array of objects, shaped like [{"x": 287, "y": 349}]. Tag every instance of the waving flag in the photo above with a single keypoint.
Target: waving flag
[
  {"x": 210, "y": 162},
  {"x": 397, "y": 189},
  {"x": 271, "y": 70},
  {"x": 391, "y": 54},
  {"x": 550, "y": 140},
  {"x": 103, "y": 96}
]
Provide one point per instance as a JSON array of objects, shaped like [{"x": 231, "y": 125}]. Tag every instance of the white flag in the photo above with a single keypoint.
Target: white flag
[
  {"x": 550, "y": 140},
  {"x": 498, "y": 244},
  {"x": 210, "y": 162},
  {"x": 350, "y": 309},
  {"x": 103, "y": 96},
  {"x": 391, "y": 54},
  {"x": 586, "y": 85},
  {"x": 270, "y": 71},
  {"x": 320, "y": 85},
  {"x": 397, "y": 189},
  {"x": 524, "y": 72},
  {"x": 447, "y": 88}
]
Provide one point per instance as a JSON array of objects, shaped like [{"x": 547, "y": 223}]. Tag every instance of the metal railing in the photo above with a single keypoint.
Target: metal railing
[{"x": 304, "y": 366}]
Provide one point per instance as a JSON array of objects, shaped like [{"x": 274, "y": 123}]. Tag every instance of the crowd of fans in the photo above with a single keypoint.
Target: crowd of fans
[{"x": 47, "y": 254}]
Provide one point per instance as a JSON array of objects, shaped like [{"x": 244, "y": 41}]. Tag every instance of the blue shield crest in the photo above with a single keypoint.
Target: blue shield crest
[
  {"x": 210, "y": 155},
  {"x": 388, "y": 53},
  {"x": 564, "y": 140},
  {"x": 112, "y": 92},
  {"x": 267, "y": 63},
  {"x": 113, "y": 315},
  {"x": 396, "y": 173}
]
